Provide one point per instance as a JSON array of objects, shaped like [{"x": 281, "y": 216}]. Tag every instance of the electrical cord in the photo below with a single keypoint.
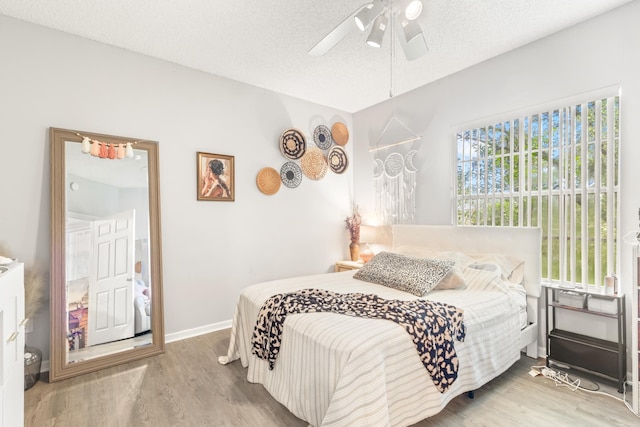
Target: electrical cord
[
  {"x": 562, "y": 379},
  {"x": 593, "y": 386}
]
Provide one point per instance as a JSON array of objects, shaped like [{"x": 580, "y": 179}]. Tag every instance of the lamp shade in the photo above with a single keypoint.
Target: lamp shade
[
  {"x": 368, "y": 14},
  {"x": 376, "y": 235},
  {"x": 377, "y": 31}
]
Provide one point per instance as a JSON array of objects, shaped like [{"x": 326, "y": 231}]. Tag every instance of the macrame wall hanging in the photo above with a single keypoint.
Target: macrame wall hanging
[{"x": 395, "y": 185}]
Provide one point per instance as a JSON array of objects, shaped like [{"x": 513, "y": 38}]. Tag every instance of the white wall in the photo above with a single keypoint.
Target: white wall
[
  {"x": 590, "y": 56},
  {"x": 211, "y": 250}
]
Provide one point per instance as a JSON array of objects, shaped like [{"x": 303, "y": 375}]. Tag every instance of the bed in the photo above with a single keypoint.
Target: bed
[{"x": 338, "y": 370}]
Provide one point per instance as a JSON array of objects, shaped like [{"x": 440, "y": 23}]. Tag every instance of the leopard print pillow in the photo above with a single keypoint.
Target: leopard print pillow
[{"x": 417, "y": 276}]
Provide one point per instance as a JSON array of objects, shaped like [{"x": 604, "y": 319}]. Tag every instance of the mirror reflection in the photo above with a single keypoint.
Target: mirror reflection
[
  {"x": 106, "y": 283},
  {"x": 108, "y": 286}
]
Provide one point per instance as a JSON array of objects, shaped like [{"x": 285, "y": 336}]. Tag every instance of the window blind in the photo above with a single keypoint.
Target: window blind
[{"x": 555, "y": 169}]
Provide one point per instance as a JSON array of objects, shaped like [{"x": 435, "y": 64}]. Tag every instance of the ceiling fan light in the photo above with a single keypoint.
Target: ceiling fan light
[
  {"x": 368, "y": 14},
  {"x": 410, "y": 29},
  {"x": 413, "y": 10},
  {"x": 377, "y": 31}
]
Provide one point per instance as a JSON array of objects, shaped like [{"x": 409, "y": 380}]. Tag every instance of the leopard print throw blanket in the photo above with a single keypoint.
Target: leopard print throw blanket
[{"x": 431, "y": 325}]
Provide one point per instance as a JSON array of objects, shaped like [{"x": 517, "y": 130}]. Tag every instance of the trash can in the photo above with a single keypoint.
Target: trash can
[{"x": 32, "y": 364}]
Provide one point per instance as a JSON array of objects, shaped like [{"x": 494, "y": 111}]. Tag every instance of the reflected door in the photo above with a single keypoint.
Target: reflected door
[{"x": 111, "y": 285}]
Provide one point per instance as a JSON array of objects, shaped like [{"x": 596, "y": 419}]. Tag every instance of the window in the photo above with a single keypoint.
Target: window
[{"x": 557, "y": 170}]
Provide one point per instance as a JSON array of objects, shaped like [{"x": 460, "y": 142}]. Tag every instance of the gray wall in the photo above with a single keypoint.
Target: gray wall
[
  {"x": 211, "y": 250},
  {"x": 590, "y": 56}
]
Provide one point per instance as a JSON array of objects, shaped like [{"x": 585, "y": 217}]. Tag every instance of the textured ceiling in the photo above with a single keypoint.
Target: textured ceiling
[{"x": 265, "y": 43}]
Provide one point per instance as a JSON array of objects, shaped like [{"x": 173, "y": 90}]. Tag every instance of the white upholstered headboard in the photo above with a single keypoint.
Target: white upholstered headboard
[{"x": 519, "y": 242}]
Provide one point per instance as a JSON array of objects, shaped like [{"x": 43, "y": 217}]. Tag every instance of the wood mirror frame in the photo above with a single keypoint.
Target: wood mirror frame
[{"x": 60, "y": 367}]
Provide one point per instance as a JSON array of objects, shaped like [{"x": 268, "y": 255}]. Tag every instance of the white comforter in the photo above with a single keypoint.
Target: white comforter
[{"x": 336, "y": 370}]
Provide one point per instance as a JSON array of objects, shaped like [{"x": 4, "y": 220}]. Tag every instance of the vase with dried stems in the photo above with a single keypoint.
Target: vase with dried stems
[
  {"x": 35, "y": 297},
  {"x": 353, "y": 223}
]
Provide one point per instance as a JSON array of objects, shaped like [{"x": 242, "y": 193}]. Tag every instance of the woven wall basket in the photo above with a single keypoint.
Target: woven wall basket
[
  {"x": 314, "y": 165},
  {"x": 340, "y": 133},
  {"x": 268, "y": 181},
  {"x": 291, "y": 174},
  {"x": 322, "y": 137},
  {"x": 293, "y": 144},
  {"x": 337, "y": 159}
]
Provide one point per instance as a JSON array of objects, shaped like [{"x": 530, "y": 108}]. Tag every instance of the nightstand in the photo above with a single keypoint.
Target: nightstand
[{"x": 348, "y": 265}]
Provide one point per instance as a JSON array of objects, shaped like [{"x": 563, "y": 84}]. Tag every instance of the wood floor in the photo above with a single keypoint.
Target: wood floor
[{"x": 187, "y": 387}]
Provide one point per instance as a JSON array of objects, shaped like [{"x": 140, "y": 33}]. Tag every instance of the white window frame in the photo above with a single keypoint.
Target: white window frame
[{"x": 567, "y": 162}]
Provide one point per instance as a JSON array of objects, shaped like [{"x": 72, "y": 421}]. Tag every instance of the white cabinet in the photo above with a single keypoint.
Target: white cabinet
[{"x": 12, "y": 324}]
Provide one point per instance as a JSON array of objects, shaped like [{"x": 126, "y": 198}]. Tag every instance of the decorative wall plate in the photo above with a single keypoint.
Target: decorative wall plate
[
  {"x": 313, "y": 163},
  {"x": 337, "y": 159},
  {"x": 322, "y": 137},
  {"x": 291, "y": 174},
  {"x": 293, "y": 144},
  {"x": 268, "y": 181},
  {"x": 340, "y": 133}
]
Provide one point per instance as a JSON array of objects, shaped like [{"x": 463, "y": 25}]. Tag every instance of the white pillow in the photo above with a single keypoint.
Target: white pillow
[{"x": 512, "y": 268}]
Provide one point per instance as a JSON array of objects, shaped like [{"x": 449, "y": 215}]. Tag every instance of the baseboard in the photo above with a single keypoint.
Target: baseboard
[
  {"x": 176, "y": 336},
  {"x": 201, "y": 330}
]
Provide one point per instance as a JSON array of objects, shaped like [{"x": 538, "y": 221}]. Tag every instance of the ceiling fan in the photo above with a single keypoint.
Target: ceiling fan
[{"x": 376, "y": 16}]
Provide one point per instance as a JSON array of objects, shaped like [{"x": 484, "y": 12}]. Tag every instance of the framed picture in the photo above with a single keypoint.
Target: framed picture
[{"x": 216, "y": 179}]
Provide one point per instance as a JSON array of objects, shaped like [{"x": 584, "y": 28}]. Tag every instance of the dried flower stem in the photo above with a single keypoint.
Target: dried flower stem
[
  {"x": 34, "y": 292},
  {"x": 353, "y": 225}
]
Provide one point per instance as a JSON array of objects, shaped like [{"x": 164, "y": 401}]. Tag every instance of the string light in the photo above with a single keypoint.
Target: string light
[{"x": 106, "y": 150}]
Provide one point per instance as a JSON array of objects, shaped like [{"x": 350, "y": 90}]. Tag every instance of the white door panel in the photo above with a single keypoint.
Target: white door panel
[{"x": 110, "y": 286}]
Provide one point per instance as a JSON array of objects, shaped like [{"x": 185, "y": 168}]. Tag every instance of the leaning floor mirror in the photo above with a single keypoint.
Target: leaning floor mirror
[{"x": 106, "y": 273}]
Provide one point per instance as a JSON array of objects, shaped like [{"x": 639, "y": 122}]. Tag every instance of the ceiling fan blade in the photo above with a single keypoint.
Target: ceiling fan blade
[{"x": 337, "y": 34}]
